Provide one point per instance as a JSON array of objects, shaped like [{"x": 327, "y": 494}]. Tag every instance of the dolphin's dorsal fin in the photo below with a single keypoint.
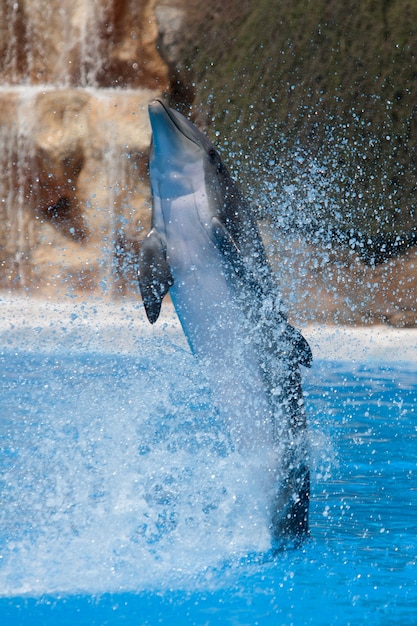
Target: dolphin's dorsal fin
[
  {"x": 154, "y": 274},
  {"x": 301, "y": 346}
]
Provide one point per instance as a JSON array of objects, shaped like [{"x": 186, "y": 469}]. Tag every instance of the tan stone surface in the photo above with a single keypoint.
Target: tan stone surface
[{"x": 76, "y": 78}]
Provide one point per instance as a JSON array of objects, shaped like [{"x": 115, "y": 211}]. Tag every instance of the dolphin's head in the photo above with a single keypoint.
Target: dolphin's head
[
  {"x": 170, "y": 126},
  {"x": 183, "y": 158},
  {"x": 176, "y": 142},
  {"x": 179, "y": 147}
]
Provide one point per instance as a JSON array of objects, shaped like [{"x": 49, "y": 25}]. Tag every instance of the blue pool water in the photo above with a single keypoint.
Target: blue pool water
[{"x": 122, "y": 500}]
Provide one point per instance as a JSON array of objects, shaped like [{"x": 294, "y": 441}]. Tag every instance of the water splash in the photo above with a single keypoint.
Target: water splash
[
  {"x": 123, "y": 495},
  {"x": 115, "y": 462}
]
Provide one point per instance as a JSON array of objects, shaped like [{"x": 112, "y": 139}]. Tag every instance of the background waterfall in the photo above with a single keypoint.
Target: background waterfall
[{"x": 75, "y": 137}]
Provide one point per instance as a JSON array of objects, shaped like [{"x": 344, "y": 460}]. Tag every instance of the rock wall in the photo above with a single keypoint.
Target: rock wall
[
  {"x": 74, "y": 185},
  {"x": 75, "y": 82}
]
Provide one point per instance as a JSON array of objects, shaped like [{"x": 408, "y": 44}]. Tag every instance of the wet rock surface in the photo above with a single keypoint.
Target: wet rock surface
[{"x": 96, "y": 43}]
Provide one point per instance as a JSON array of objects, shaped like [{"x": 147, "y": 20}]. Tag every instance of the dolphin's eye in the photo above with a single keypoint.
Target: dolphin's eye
[
  {"x": 212, "y": 155},
  {"x": 215, "y": 159}
]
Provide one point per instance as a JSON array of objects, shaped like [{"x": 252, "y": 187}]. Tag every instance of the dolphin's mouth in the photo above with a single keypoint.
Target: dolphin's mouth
[{"x": 181, "y": 124}]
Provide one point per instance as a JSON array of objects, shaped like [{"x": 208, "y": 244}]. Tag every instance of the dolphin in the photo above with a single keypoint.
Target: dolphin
[{"x": 205, "y": 248}]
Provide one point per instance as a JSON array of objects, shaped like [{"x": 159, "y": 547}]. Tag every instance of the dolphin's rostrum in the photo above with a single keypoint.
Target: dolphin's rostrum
[{"x": 205, "y": 248}]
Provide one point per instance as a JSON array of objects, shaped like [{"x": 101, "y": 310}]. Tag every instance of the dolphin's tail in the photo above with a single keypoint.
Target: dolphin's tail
[{"x": 290, "y": 524}]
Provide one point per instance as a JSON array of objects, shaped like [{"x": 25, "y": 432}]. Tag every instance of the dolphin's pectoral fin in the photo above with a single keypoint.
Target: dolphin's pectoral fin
[
  {"x": 227, "y": 245},
  {"x": 154, "y": 274},
  {"x": 302, "y": 349}
]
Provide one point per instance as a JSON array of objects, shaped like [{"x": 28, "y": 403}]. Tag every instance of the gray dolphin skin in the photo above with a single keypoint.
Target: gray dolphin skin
[{"x": 205, "y": 248}]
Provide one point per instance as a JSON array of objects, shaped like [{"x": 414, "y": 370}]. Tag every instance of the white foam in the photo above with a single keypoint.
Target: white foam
[
  {"x": 94, "y": 325},
  {"x": 366, "y": 343},
  {"x": 76, "y": 325}
]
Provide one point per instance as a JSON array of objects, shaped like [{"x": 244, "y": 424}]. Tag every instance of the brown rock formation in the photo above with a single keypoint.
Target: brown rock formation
[{"x": 335, "y": 287}]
